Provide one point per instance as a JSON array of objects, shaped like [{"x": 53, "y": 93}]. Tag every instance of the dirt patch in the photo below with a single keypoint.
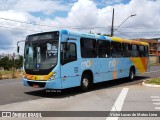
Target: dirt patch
[{"x": 10, "y": 75}]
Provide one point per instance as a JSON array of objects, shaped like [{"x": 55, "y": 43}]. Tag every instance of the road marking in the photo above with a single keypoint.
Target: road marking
[
  {"x": 119, "y": 103},
  {"x": 153, "y": 71},
  {"x": 156, "y": 100},
  {"x": 155, "y": 97},
  {"x": 157, "y": 108},
  {"x": 156, "y": 103}
]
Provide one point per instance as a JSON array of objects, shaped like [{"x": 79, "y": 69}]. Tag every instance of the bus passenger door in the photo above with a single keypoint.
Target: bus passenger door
[{"x": 69, "y": 65}]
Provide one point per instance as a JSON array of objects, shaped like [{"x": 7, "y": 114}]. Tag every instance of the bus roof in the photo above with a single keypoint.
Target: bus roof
[
  {"x": 94, "y": 36},
  {"x": 129, "y": 41},
  {"x": 102, "y": 37}
]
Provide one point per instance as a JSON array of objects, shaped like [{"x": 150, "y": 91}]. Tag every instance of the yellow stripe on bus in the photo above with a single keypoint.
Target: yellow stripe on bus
[{"x": 38, "y": 77}]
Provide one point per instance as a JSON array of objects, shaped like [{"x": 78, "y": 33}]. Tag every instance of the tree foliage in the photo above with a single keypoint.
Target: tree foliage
[{"x": 8, "y": 64}]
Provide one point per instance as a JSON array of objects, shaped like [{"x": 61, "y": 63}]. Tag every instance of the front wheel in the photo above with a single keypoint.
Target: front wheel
[
  {"x": 131, "y": 74},
  {"x": 85, "y": 82}
]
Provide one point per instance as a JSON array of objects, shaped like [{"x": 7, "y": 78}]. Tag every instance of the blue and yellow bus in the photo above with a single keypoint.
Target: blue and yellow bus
[{"x": 64, "y": 59}]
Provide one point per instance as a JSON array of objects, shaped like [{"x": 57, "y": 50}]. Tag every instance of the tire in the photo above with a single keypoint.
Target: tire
[
  {"x": 131, "y": 74},
  {"x": 85, "y": 82}
]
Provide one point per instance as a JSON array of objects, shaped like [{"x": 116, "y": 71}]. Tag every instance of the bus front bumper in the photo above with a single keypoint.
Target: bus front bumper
[{"x": 49, "y": 84}]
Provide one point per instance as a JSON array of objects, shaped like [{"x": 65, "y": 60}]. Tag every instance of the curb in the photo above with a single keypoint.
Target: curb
[{"x": 149, "y": 85}]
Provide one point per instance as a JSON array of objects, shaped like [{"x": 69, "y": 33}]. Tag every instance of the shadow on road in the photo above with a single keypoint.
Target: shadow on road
[{"x": 74, "y": 91}]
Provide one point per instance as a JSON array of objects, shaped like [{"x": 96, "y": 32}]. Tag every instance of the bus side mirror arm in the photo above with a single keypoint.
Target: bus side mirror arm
[{"x": 18, "y": 47}]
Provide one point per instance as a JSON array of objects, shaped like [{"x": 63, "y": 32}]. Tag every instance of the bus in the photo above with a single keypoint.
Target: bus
[{"x": 64, "y": 59}]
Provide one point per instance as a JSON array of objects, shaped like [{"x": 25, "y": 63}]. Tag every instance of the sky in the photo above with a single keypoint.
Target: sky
[{"x": 19, "y": 18}]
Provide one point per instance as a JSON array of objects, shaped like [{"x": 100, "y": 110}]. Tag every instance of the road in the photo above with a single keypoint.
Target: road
[{"x": 104, "y": 97}]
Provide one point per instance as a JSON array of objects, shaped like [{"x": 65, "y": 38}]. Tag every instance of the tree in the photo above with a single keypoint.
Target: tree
[
  {"x": 19, "y": 62},
  {"x": 5, "y": 63},
  {"x": 8, "y": 64}
]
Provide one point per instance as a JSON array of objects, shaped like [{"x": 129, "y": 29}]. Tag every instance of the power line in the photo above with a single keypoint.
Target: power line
[
  {"x": 72, "y": 27},
  {"x": 138, "y": 28},
  {"x": 124, "y": 34},
  {"x": 18, "y": 28}
]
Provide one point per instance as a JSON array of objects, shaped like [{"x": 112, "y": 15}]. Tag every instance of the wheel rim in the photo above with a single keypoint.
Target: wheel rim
[
  {"x": 132, "y": 75},
  {"x": 85, "y": 82}
]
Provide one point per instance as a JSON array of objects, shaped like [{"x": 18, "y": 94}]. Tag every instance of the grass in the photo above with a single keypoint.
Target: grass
[{"x": 155, "y": 81}]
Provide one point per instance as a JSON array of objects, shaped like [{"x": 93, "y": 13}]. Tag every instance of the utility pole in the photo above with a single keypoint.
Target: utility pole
[{"x": 112, "y": 27}]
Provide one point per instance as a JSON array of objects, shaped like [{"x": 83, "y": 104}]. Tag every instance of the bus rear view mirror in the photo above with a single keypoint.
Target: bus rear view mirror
[{"x": 18, "y": 47}]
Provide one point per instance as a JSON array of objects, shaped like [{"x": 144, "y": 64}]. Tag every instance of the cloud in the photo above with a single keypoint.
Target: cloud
[
  {"x": 45, "y": 6},
  {"x": 84, "y": 14}
]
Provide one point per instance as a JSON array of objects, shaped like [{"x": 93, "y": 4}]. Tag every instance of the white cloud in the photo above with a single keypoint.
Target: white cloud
[
  {"x": 83, "y": 13},
  {"x": 46, "y": 6}
]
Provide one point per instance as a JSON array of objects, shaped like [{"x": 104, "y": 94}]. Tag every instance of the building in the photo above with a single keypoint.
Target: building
[{"x": 154, "y": 49}]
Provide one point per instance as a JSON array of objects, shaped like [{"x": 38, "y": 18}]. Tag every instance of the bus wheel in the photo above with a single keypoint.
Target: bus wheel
[
  {"x": 131, "y": 74},
  {"x": 85, "y": 82}
]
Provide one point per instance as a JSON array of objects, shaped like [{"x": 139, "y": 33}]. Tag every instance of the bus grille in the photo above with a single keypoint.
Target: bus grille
[{"x": 40, "y": 84}]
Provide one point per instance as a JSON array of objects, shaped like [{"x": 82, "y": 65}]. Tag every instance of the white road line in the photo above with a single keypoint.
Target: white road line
[
  {"x": 156, "y": 103},
  {"x": 156, "y": 100},
  {"x": 155, "y": 96},
  {"x": 157, "y": 108},
  {"x": 119, "y": 103}
]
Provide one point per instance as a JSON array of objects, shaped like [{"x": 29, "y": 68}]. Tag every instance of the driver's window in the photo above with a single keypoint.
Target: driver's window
[{"x": 69, "y": 53}]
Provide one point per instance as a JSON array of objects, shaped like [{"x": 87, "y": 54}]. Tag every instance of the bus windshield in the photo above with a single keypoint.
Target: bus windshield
[{"x": 41, "y": 54}]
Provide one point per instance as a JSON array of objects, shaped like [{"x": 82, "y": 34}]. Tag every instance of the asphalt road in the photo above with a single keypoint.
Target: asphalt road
[{"x": 14, "y": 96}]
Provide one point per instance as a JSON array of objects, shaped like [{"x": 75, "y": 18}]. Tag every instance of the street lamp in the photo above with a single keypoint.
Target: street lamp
[{"x": 112, "y": 29}]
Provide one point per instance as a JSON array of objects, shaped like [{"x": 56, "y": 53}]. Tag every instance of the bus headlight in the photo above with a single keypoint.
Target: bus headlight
[{"x": 53, "y": 76}]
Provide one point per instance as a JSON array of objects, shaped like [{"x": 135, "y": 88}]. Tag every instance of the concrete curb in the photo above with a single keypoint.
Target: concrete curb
[{"x": 149, "y": 85}]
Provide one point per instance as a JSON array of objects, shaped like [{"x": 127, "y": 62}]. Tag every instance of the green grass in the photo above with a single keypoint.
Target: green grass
[{"x": 155, "y": 81}]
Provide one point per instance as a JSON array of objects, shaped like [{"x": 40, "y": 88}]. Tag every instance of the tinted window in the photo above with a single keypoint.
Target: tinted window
[
  {"x": 88, "y": 48},
  {"x": 70, "y": 54},
  {"x": 146, "y": 51},
  {"x": 126, "y": 50},
  {"x": 103, "y": 49},
  {"x": 116, "y": 49},
  {"x": 141, "y": 51},
  {"x": 135, "y": 51}
]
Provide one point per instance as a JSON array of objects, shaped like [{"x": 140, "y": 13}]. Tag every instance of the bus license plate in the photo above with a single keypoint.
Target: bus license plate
[{"x": 36, "y": 86}]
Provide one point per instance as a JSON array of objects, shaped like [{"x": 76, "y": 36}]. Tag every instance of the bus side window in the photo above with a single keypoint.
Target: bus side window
[
  {"x": 141, "y": 51},
  {"x": 116, "y": 49},
  {"x": 126, "y": 50},
  {"x": 88, "y": 48},
  {"x": 135, "y": 51},
  {"x": 103, "y": 49},
  {"x": 68, "y": 54},
  {"x": 146, "y": 51}
]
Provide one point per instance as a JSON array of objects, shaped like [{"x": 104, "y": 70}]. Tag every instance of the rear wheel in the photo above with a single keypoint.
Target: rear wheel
[
  {"x": 85, "y": 82},
  {"x": 131, "y": 74}
]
